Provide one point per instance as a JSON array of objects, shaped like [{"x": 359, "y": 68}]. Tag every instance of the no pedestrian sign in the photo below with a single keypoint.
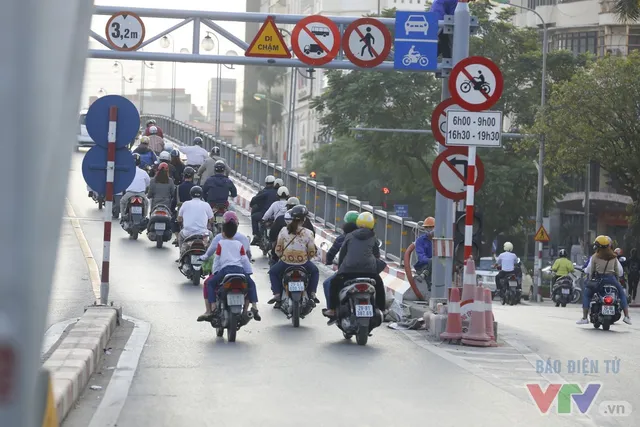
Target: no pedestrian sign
[
  {"x": 125, "y": 31},
  {"x": 268, "y": 43},
  {"x": 476, "y": 83},
  {"x": 366, "y": 42},
  {"x": 315, "y": 40}
]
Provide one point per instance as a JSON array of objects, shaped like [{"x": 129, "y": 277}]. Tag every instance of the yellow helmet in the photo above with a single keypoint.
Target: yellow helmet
[
  {"x": 602, "y": 241},
  {"x": 365, "y": 220}
]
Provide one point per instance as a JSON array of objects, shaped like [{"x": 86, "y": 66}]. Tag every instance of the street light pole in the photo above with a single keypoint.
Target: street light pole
[{"x": 142, "y": 74}]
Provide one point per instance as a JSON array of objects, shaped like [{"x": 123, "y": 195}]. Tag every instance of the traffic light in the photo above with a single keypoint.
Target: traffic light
[
  {"x": 385, "y": 190},
  {"x": 458, "y": 239},
  {"x": 312, "y": 174}
]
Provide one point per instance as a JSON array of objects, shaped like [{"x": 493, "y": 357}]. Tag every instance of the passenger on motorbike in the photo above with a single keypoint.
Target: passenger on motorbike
[
  {"x": 260, "y": 203},
  {"x": 281, "y": 222},
  {"x": 562, "y": 266},
  {"x": 358, "y": 258},
  {"x": 194, "y": 216},
  {"x": 147, "y": 156},
  {"x": 183, "y": 194},
  {"x": 424, "y": 245},
  {"x": 164, "y": 157},
  {"x": 153, "y": 129},
  {"x": 295, "y": 246},
  {"x": 278, "y": 183},
  {"x": 277, "y": 208},
  {"x": 507, "y": 261},
  {"x": 347, "y": 228},
  {"x": 230, "y": 249},
  {"x": 138, "y": 187},
  {"x": 196, "y": 155},
  {"x": 156, "y": 138},
  {"x": 218, "y": 188},
  {"x": 605, "y": 265},
  {"x": 176, "y": 162},
  {"x": 208, "y": 167},
  {"x": 162, "y": 190}
]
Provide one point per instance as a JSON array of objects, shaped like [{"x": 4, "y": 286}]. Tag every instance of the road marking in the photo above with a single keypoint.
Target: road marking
[
  {"x": 54, "y": 333},
  {"x": 117, "y": 391},
  {"x": 94, "y": 271}
]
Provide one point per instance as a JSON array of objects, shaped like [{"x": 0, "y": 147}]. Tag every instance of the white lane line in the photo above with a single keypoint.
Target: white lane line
[
  {"x": 54, "y": 333},
  {"x": 117, "y": 390},
  {"x": 92, "y": 265}
]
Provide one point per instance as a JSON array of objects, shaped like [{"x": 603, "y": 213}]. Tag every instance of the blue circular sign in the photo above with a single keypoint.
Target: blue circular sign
[
  {"x": 127, "y": 125},
  {"x": 94, "y": 169}
]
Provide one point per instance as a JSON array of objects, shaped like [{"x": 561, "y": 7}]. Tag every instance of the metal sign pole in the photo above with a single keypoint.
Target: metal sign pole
[{"x": 111, "y": 166}]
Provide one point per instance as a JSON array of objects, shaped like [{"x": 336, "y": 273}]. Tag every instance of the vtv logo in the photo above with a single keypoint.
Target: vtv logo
[{"x": 566, "y": 394}]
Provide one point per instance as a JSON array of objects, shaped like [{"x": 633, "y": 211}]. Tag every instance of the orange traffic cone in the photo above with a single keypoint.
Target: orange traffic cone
[
  {"x": 488, "y": 316},
  {"x": 469, "y": 281},
  {"x": 454, "y": 320},
  {"x": 477, "y": 335}
]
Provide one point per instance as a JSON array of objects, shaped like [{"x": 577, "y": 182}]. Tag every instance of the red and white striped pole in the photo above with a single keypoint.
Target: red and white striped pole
[
  {"x": 471, "y": 188},
  {"x": 108, "y": 206}
]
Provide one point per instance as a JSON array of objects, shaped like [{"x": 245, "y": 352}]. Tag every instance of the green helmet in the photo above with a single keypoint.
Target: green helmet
[{"x": 351, "y": 216}]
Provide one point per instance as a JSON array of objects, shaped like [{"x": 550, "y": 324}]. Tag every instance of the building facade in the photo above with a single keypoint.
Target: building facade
[
  {"x": 226, "y": 106},
  {"x": 580, "y": 27}
]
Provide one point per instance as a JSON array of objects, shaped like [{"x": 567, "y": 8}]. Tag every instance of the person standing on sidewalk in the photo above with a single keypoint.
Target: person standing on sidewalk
[{"x": 633, "y": 268}]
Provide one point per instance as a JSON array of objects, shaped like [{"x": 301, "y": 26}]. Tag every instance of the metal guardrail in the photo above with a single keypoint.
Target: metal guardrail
[{"x": 327, "y": 204}]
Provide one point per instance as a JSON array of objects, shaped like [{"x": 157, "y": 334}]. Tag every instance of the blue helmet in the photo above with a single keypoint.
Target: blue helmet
[{"x": 175, "y": 153}]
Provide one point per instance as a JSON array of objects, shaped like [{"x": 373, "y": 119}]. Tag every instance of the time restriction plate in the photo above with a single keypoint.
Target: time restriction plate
[{"x": 479, "y": 129}]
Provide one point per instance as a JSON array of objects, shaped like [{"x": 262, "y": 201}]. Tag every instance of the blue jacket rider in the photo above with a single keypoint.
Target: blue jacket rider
[
  {"x": 424, "y": 245},
  {"x": 218, "y": 188}
]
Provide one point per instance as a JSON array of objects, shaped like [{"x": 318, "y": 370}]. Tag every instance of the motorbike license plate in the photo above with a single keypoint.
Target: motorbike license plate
[
  {"x": 160, "y": 226},
  {"x": 513, "y": 284},
  {"x": 219, "y": 220},
  {"x": 195, "y": 260},
  {"x": 235, "y": 299},
  {"x": 296, "y": 286},
  {"x": 364, "y": 310},
  {"x": 608, "y": 310},
  {"x": 136, "y": 209},
  {"x": 566, "y": 291}
]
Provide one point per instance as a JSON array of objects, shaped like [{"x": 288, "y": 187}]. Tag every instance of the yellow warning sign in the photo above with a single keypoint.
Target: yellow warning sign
[
  {"x": 542, "y": 235},
  {"x": 268, "y": 43}
]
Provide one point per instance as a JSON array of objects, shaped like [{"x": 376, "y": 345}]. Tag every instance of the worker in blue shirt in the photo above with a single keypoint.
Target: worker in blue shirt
[
  {"x": 442, "y": 8},
  {"x": 424, "y": 246}
]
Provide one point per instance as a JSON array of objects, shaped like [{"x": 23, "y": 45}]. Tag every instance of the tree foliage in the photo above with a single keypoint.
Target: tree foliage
[{"x": 406, "y": 100}]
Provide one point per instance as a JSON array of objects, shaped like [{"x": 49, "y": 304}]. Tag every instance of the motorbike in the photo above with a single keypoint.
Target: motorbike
[
  {"x": 98, "y": 198},
  {"x": 263, "y": 243},
  {"x": 190, "y": 264},
  {"x": 483, "y": 87},
  {"x": 218, "y": 214},
  {"x": 562, "y": 291},
  {"x": 159, "y": 228},
  {"x": 415, "y": 58},
  {"x": 230, "y": 306},
  {"x": 357, "y": 314},
  {"x": 134, "y": 221},
  {"x": 512, "y": 290},
  {"x": 605, "y": 308},
  {"x": 295, "y": 302}
]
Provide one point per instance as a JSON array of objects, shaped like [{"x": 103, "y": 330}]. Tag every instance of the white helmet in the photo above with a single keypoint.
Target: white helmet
[
  {"x": 165, "y": 156},
  {"x": 508, "y": 246},
  {"x": 168, "y": 146},
  {"x": 153, "y": 130},
  {"x": 270, "y": 179},
  {"x": 279, "y": 182},
  {"x": 283, "y": 192},
  {"x": 293, "y": 201},
  {"x": 287, "y": 217}
]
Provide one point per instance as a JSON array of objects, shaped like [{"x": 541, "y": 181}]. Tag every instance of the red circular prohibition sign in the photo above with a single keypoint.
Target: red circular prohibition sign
[
  {"x": 460, "y": 67},
  {"x": 442, "y": 157},
  {"x": 435, "y": 119},
  {"x": 302, "y": 26},
  {"x": 354, "y": 26}
]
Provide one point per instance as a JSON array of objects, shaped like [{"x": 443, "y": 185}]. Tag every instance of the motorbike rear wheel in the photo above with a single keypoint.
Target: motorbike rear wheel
[
  {"x": 232, "y": 328},
  {"x": 295, "y": 313},
  {"x": 195, "y": 279},
  {"x": 133, "y": 234},
  {"x": 159, "y": 241},
  {"x": 606, "y": 325},
  {"x": 362, "y": 336}
]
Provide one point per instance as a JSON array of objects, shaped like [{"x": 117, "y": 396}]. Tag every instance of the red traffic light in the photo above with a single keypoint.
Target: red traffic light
[
  {"x": 386, "y": 190},
  {"x": 312, "y": 174}
]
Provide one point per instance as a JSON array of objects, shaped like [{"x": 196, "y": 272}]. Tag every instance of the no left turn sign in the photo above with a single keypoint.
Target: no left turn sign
[
  {"x": 449, "y": 173},
  {"x": 439, "y": 119},
  {"x": 366, "y": 42},
  {"x": 125, "y": 31},
  {"x": 315, "y": 40},
  {"x": 476, "y": 83}
]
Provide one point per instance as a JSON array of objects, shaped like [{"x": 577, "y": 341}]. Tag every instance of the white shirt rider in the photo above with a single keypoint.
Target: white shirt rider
[
  {"x": 275, "y": 210},
  {"x": 195, "y": 214},
  {"x": 140, "y": 182},
  {"x": 507, "y": 261},
  {"x": 196, "y": 155}
]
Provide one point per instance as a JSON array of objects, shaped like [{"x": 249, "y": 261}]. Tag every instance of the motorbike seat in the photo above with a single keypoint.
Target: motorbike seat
[
  {"x": 194, "y": 237},
  {"x": 296, "y": 268},
  {"x": 368, "y": 280},
  {"x": 234, "y": 276}
]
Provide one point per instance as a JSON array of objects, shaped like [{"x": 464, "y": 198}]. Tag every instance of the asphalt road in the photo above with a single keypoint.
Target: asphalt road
[{"x": 275, "y": 375}]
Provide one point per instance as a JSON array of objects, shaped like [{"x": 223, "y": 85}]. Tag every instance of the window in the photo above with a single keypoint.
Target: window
[
  {"x": 634, "y": 39},
  {"x": 579, "y": 42},
  {"x": 532, "y": 4}
]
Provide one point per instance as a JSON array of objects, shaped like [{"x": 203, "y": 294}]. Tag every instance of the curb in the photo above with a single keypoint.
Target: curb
[{"x": 78, "y": 356}]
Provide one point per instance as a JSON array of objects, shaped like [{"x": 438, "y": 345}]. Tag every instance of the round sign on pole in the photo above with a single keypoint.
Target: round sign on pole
[
  {"x": 439, "y": 120},
  {"x": 476, "y": 83},
  {"x": 366, "y": 42},
  {"x": 449, "y": 173},
  {"x": 125, "y": 31},
  {"x": 127, "y": 125},
  {"x": 315, "y": 40}
]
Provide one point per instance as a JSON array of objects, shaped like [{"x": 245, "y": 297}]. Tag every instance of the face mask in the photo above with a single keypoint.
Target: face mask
[{"x": 430, "y": 233}]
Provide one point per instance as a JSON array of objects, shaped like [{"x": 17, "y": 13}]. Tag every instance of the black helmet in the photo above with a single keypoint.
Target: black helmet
[
  {"x": 197, "y": 141},
  {"x": 562, "y": 253},
  {"x": 136, "y": 158},
  {"x": 196, "y": 192},
  {"x": 189, "y": 172},
  {"x": 215, "y": 150},
  {"x": 219, "y": 166},
  {"x": 299, "y": 212}
]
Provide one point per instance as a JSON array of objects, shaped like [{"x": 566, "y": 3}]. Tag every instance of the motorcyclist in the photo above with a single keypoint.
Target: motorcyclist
[
  {"x": 147, "y": 156},
  {"x": 562, "y": 266},
  {"x": 138, "y": 187},
  {"x": 605, "y": 265},
  {"x": 207, "y": 168},
  {"x": 164, "y": 157},
  {"x": 162, "y": 190},
  {"x": 295, "y": 246},
  {"x": 157, "y": 140},
  {"x": 148, "y": 132},
  {"x": 259, "y": 205},
  {"x": 358, "y": 258},
  {"x": 194, "y": 216},
  {"x": 177, "y": 164},
  {"x": 281, "y": 222},
  {"x": 279, "y": 207},
  {"x": 507, "y": 261},
  {"x": 424, "y": 246},
  {"x": 218, "y": 188},
  {"x": 349, "y": 226},
  {"x": 183, "y": 194},
  {"x": 278, "y": 183},
  {"x": 196, "y": 155}
]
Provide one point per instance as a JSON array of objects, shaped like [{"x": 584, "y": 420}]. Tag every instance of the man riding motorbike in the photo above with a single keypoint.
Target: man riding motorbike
[
  {"x": 138, "y": 187},
  {"x": 183, "y": 194},
  {"x": 147, "y": 157},
  {"x": 279, "y": 207},
  {"x": 507, "y": 261},
  {"x": 259, "y": 205},
  {"x": 218, "y": 188},
  {"x": 196, "y": 155},
  {"x": 562, "y": 266},
  {"x": 278, "y": 183},
  {"x": 208, "y": 167},
  {"x": 605, "y": 265},
  {"x": 194, "y": 216}
]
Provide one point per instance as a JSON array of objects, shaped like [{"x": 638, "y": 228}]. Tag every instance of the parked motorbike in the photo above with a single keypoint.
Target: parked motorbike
[
  {"x": 295, "y": 302},
  {"x": 190, "y": 263},
  {"x": 512, "y": 293},
  {"x": 605, "y": 307},
  {"x": 218, "y": 214},
  {"x": 230, "y": 306},
  {"x": 263, "y": 243},
  {"x": 159, "y": 229},
  {"x": 562, "y": 291},
  {"x": 98, "y": 198},
  {"x": 134, "y": 221},
  {"x": 357, "y": 314}
]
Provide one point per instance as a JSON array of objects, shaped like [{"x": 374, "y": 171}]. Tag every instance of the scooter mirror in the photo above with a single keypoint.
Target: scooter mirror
[{"x": 379, "y": 243}]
